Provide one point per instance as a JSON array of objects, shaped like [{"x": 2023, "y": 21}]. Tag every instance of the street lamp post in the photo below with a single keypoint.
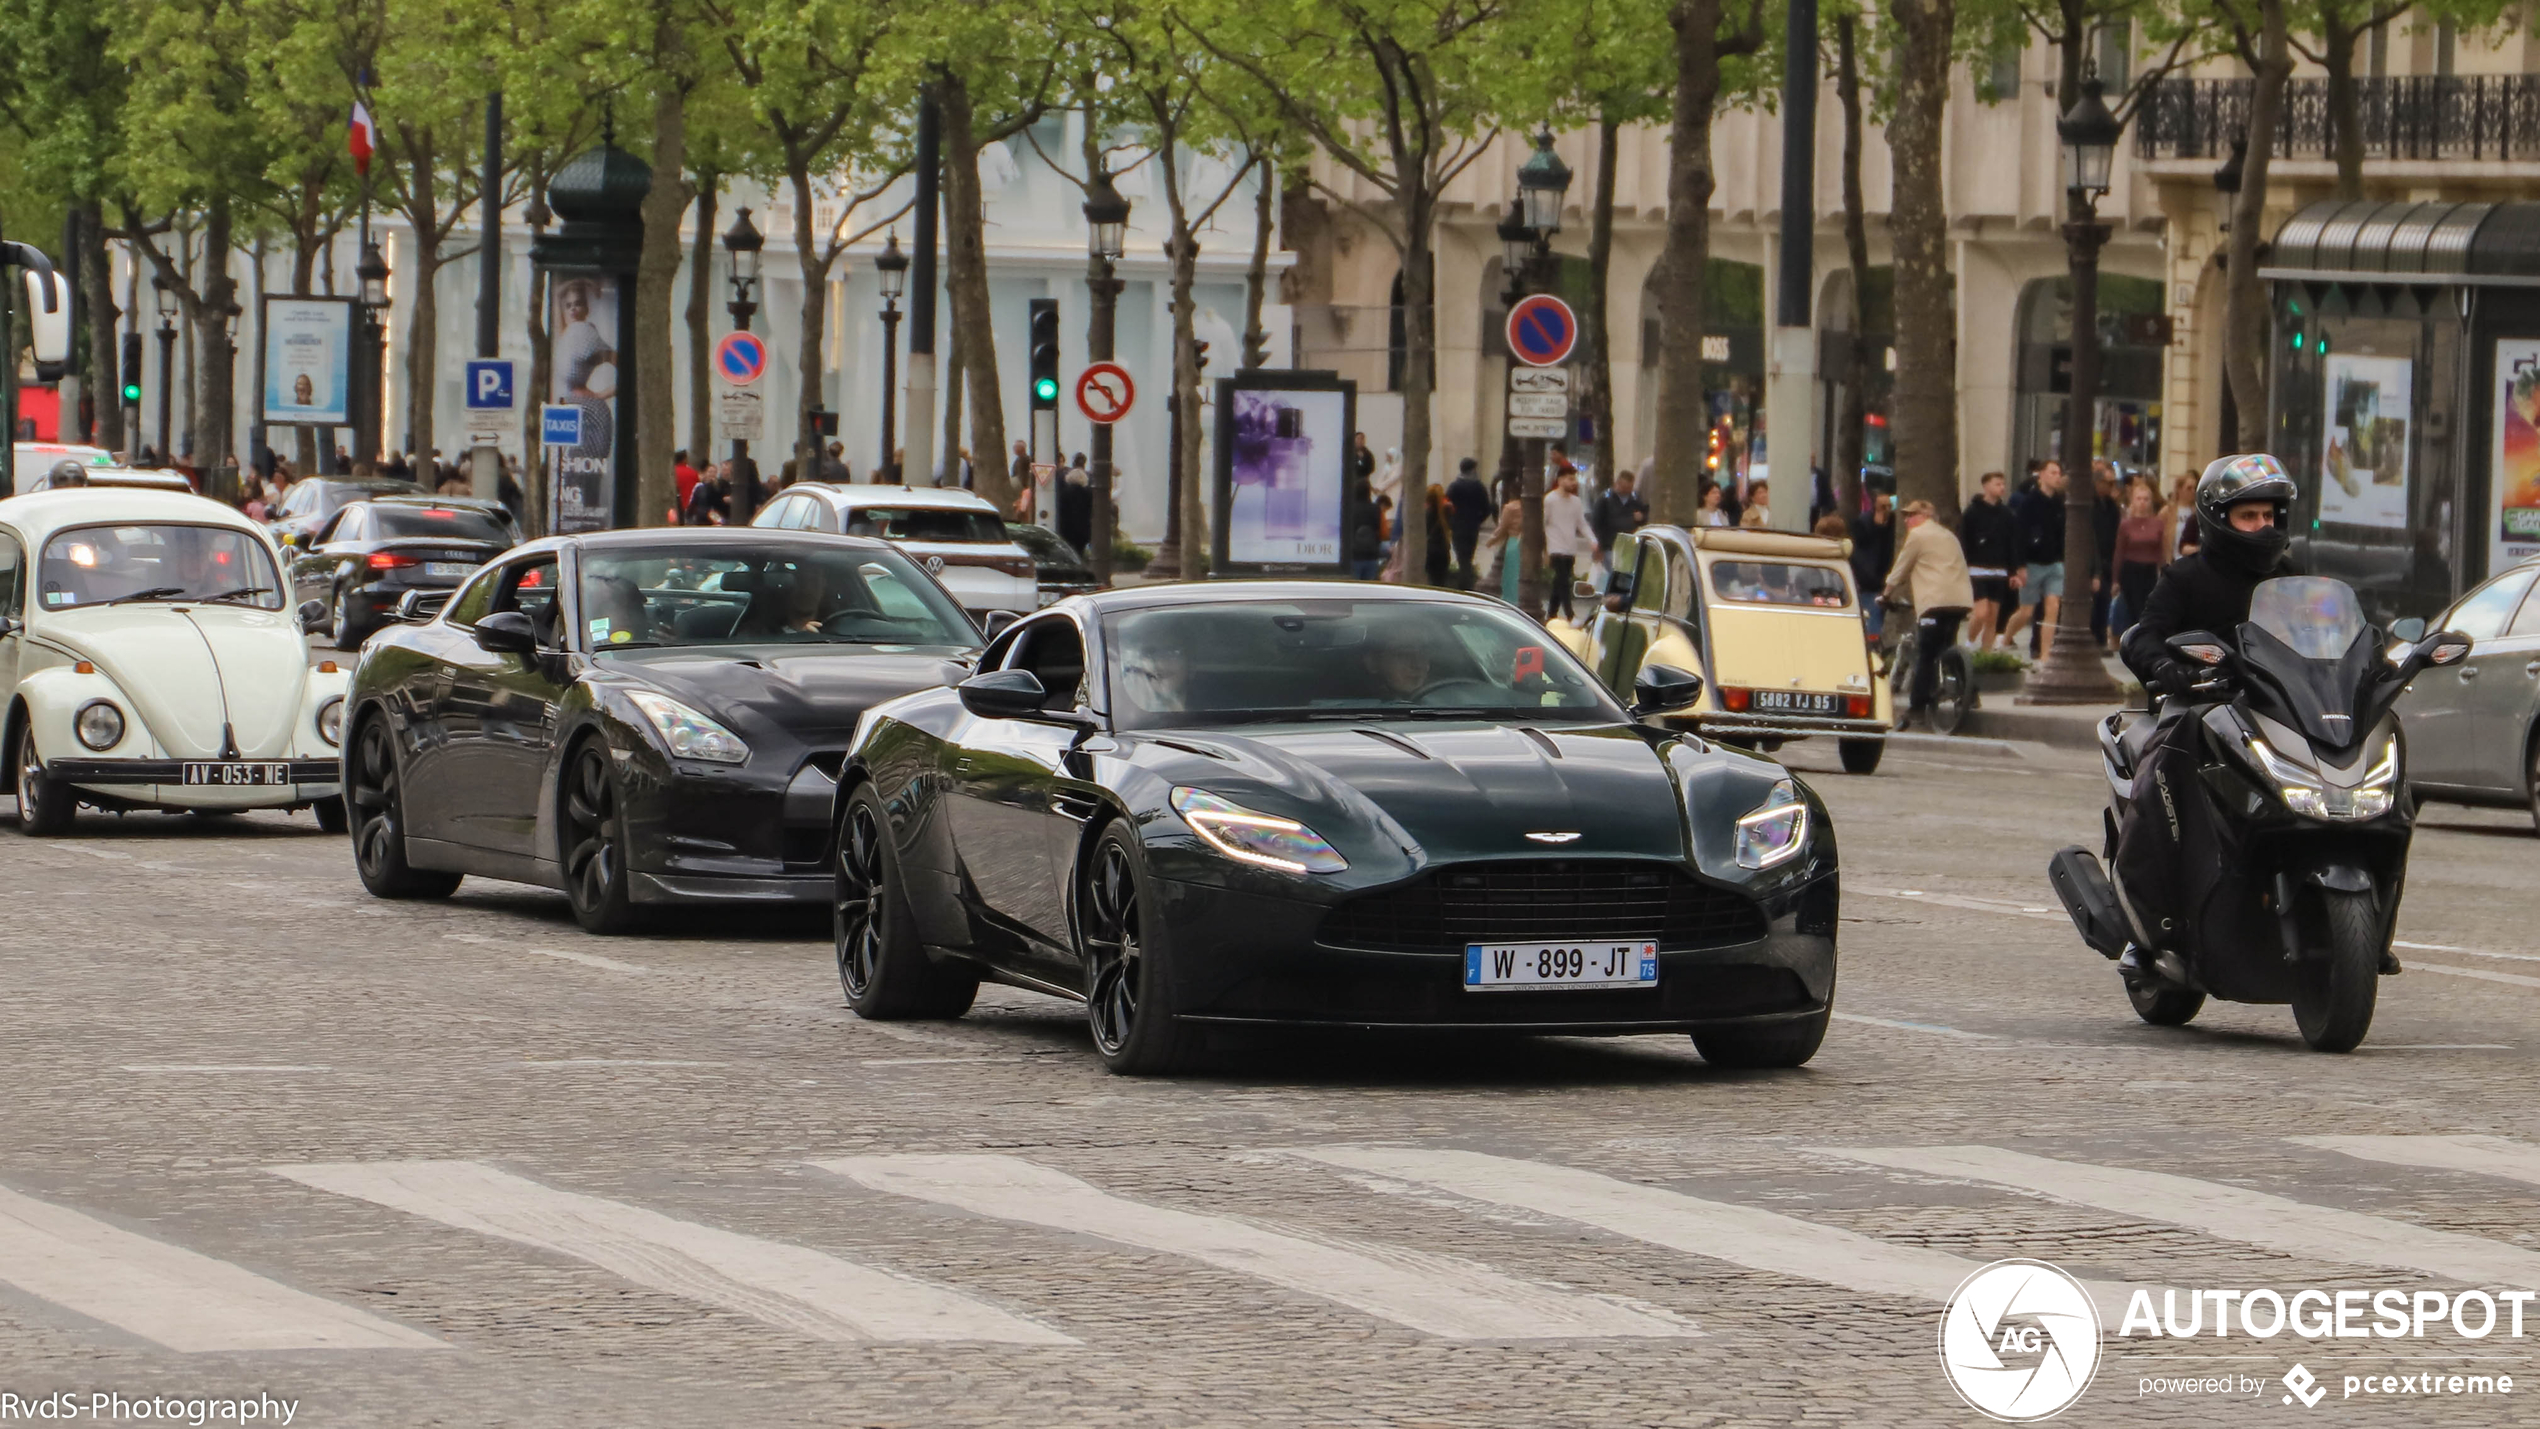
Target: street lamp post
[
  {"x": 1542, "y": 181},
  {"x": 2073, "y": 673},
  {"x": 743, "y": 241},
  {"x": 166, "y": 299},
  {"x": 224, "y": 476},
  {"x": 1106, "y": 236},
  {"x": 891, "y": 266},
  {"x": 372, "y": 272}
]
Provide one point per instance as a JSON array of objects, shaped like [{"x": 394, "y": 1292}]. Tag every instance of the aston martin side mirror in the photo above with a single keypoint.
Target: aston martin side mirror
[
  {"x": 1003, "y": 694},
  {"x": 312, "y": 615},
  {"x": 1659, "y": 688},
  {"x": 506, "y": 632}
]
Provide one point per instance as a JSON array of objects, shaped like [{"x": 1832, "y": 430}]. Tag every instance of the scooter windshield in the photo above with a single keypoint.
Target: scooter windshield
[
  {"x": 2306, "y": 647},
  {"x": 2316, "y": 616}
]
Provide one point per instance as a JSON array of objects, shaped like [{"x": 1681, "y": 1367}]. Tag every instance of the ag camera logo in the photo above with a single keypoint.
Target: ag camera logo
[{"x": 2019, "y": 1341}]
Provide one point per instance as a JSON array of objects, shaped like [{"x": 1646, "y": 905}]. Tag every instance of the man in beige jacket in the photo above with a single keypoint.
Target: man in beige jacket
[{"x": 1932, "y": 572}]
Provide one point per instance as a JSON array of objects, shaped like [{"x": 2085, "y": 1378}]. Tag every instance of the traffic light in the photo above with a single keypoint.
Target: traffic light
[
  {"x": 1200, "y": 350},
  {"x": 1045, "y": 354},
  {"x": 132, "y": 369}
]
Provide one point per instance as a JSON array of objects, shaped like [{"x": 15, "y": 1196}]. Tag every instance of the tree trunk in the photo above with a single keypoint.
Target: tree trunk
[
  {"x": 956, "y": 352},
  {"x": 656, "y": 274},
  {"x": 533, "y": 453},
  {"x": 1923, "y": 418},
  {"x": 966, "y": 265},
  {"x": 2245, "y": 314},
  {"x": 1596, "y": 337},
  {"x": 1850, "y": 356},
  {"x": 105, "y": 344},
  {"x": 1419, "y": 368},
  {"x": 214, "y": 367},
  {"x": 422, "y": 211},
  {"x": 701, "y": 326},
  {"x": 1683, "y": 408},
  {"x": 1257, "y": 272},
  {"x": 2345, "y": 105},
  {"x": 1184, "y": 253},
  {"x": 813, "y": 260}
]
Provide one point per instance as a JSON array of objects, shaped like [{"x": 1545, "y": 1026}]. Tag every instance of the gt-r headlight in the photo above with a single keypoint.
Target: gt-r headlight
[
  {"x": 1775, "y": 831},
  {"x": 99, "y": 724},
  {"x": 688, "y": 734},
  {"x": 330, "y": 722},
  {"x": 1248, "y": 836}
]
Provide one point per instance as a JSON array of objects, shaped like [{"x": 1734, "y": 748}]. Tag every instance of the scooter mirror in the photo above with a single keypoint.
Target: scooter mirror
[
  {"x": 2411, "y": 630},
  {"x": 2200, "y": 646},
  {"x": 2449, "y": 648}
]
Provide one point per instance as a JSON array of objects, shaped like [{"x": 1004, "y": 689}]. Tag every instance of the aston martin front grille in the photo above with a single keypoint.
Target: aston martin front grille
[{"x": 1545, "y": 900}]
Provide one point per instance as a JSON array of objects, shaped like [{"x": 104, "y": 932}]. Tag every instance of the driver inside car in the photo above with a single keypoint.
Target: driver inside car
[
  {"x": 1155, "y": 666},
  {"x": 1399, "y": 660},
  {"x": 2243, "y": 511}
]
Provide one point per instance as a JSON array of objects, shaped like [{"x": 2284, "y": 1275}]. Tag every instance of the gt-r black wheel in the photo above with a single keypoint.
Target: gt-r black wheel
[
  {"x": 591, "y": 830},
  {"x": 884, "y": 972},
  {"x": 1128, "y": 972},
  {"x": 45, "y": 804},
  {"x": 378, "y": 814}
]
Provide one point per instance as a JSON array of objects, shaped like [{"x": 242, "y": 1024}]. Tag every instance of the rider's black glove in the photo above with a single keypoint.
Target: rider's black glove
[{"x": 2171, "y": 679}]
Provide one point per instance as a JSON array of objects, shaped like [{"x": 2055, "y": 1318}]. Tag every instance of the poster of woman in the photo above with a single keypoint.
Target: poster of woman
[{"x": 582, "y": 351}]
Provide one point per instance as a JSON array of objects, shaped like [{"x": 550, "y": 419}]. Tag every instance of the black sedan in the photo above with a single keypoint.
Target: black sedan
[
  {"x": 636, "y": 717},
  {"x": 369, "y": 554},
  {"x": 1056, "y": 565},
  {"x": 313, "y": 500},
  {"x": 1273, "y": 803}
]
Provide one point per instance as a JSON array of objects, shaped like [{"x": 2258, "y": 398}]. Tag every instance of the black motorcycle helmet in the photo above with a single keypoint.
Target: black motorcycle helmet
[{"x": 2252, "y": 476}]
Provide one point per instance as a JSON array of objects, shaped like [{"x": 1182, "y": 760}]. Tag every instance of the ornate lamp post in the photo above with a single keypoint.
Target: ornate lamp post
[
  {"x": 2073, "y": 672},
  {"x": 222, "y": 480},
  {"x": 372, "y": 272},
  {"x": 891, "y": 266},
  {"x": 1106, "y": 238},
  {"x": 166, "y": 299},
  {"x": 1542, "y": 181},
  {"x": 743, "y": 241}
]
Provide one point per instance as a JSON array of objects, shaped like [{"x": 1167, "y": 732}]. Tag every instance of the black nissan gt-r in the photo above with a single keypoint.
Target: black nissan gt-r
[
  {"x": 636, "y": 717},
  {"x": 1346, "y": 805}
]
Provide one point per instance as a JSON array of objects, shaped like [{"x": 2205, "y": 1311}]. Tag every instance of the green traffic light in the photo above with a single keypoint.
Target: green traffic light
[
  {"x": 1046, "y": 389},
  {"x": 131, "y": 393}
]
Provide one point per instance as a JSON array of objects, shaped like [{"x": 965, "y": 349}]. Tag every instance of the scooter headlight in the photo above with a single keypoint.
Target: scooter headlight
[
  {"x": 1775, "y": 831},
  {"x": 2306, "y": 794}
]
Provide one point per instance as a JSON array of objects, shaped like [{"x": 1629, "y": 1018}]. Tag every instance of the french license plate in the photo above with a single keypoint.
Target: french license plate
[
  {"x": 1497, "y": 967},
  {"x": 1796, "y": 702},
  {"x": 449, "y": 568},
  {"x": 238, "y": 774}
]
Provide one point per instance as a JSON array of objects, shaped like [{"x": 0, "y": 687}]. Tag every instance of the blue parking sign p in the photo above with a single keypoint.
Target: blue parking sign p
[
  {"x": 489, "y": 384},
  {"x": 560, "y": 426}
]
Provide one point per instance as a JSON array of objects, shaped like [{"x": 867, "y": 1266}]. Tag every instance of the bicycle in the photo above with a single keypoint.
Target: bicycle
[{"x": 1954, "y": 683}]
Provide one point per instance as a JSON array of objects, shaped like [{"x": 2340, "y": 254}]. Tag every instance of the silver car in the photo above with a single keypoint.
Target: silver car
[{"x": 2471, "y": 727}]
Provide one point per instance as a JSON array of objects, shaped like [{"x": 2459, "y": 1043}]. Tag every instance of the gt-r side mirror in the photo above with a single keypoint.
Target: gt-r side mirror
[
  {"x": 1015, "y": 694},
  {"x": 997, "y": 622},
  {"x": 506, "y": 632},
  {"x": 1664, "y": 687},
  {"x": 422, "y": 603},
  {"x": 312, "y": 615}
]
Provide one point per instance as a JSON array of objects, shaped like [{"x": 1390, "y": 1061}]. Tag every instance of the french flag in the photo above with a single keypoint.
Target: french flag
[{"x": 363, "y": 137}]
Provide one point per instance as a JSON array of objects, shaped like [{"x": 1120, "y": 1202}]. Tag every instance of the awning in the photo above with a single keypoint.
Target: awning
[{"x": 2468, "y": 244}]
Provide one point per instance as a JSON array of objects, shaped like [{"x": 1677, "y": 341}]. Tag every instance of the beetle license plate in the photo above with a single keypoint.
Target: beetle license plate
[
  {"x": 1796, "y": 702},
  {"x": 449, "y": 568},
  {"x": 238, "y": 774},
  {"x": 1500, "y": 967}
]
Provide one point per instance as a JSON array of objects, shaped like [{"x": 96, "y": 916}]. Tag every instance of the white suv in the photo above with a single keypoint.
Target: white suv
[{"x": 957, "y": 537}]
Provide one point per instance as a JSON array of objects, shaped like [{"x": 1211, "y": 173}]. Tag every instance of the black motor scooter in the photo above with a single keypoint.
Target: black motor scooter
[{"x": 2292, "y": 829}]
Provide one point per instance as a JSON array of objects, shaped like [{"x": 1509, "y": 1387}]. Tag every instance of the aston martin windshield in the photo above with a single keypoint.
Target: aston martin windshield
[
  {"x": 92, "y": 565},
  {"x": 1340, "y": 659},
  {"x": 720, "y": 595}
]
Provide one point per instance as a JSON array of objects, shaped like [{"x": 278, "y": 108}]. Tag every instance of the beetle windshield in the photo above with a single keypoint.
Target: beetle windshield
[
  {"x": 91, "y": 565},
  {"x": 1341, "y": 659},
  {"x": 722, "y": 595}
]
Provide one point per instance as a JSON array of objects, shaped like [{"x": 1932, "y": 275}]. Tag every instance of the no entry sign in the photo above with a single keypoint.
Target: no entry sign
[
  {"x": 740, "y": 359},
  {"x": 1105, "y": 392},
  {"x": 1541, "y": 330}
]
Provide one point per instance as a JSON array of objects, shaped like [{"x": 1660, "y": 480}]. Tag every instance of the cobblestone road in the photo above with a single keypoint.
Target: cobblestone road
[{"x": 461, "y": 1164}]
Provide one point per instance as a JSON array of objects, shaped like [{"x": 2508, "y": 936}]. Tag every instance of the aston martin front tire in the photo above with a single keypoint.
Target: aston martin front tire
[
  {"x": 45, "y": 804},
  {"x": 885, "y": 974},
  {"x": 1129, "y": 993},
  {"x": 1776, "y": 1044}
]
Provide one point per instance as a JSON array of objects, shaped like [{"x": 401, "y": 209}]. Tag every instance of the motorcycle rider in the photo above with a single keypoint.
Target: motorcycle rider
[{"x": 2244, "y": 513}]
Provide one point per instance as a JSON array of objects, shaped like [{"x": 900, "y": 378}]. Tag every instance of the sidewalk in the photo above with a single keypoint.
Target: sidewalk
[{"x": 2000, "y": 715}]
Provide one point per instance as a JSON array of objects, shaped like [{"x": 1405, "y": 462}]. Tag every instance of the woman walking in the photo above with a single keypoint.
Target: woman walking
[{"x": 2142, "y": 539}]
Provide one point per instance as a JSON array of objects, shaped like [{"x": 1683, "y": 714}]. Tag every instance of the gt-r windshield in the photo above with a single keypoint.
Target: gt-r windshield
[
  {"x": 1341, "y": 659},
  {"x": 722, "y": 595},
  {"x": 97, "y": 565}
]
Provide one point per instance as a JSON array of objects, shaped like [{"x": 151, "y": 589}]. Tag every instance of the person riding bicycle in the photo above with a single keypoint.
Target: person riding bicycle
[
  {"x": 1932, "y": 571},
  {"x": 2244, "y": 510}
]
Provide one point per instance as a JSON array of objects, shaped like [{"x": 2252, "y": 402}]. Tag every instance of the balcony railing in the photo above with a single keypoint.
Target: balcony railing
[{"x": 2485, "y": 116}]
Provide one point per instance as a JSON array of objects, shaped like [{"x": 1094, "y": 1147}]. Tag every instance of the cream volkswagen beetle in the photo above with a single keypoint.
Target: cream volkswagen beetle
[{"x": 149, "y": 662}]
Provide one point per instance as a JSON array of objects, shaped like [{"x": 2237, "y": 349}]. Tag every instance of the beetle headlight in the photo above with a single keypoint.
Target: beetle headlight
[
  {"x": 1248, "y": 836},
  {"x": 99, "y": 724},
  {"x": 689, "y": 734},
  {"x": 1775, "y": 831},
  {"x": 330, "y": 722}
]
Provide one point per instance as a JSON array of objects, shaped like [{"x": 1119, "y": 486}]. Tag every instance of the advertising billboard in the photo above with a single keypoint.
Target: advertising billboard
[
  {"x": 1281, "y": 488},
  {"x": 583, "y": 362},
  {"x": 2513, "y": 528},
  {"x": 308, "y": 362},
  {"x": 2364, "y": 480}
]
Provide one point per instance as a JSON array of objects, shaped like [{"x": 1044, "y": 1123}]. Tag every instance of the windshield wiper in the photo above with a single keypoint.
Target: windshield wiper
[
  {"x": 240, "y": 591},
  {"x": 156, "y": 592}
]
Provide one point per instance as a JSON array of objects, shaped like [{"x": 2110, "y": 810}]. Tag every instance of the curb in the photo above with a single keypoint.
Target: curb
[{"x": 2059, "y": 731}]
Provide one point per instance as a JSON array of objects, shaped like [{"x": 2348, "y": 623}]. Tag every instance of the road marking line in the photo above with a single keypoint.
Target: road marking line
[
  {"x": 2004, "y": 906},
  {"x": 588, "y": 960},
  {"x": 1899, "y": 1023},
  {"x": 2436, "y": 1047},
  {"x": 170, "y": 1296},
  {"x": 618, "y": 1062},
  {"x": 190, "y": 1067},
  {"x": 2482, "y": 974},
  {"x": 1435, "y": 1294},
  {"x": 2465, "y": 952},
  {"x": 1713, "y": 1230},
  {"x": 795, "y": 1288},
  {"x": 2478, "y": 1155},
  {"x": 2276, "y": 1223}
]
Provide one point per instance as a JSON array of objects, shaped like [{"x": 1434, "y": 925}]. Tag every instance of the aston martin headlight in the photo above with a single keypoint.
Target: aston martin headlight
[
  {"x": 330, "y": 722},
  {"x": 1249, "y": 836},
  {"x": 1776, "y": 831},
  {"x": 99, "y": 724},
  {"x": 688, "y": 734}
]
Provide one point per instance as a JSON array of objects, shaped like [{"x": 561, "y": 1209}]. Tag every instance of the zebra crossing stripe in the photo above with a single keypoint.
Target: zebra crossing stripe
[
  {"x": 2288, "y": 1227},
  {"x": 170, "y": 1296},
  {"x": 1436, "y": 1294},
  {"x": 1714, "y": 1230},
  {"x": 2478, "y": 1155},
  {"x": 806, "y": 1291}
]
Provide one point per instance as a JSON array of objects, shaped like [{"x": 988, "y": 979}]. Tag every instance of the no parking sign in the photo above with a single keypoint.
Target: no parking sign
[{"x": 1541, "y": 330}]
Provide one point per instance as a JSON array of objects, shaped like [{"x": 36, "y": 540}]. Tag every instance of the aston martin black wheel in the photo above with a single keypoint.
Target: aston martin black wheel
[
  {"x": 378, "y": 817},
  {"x": 1777, "y": 1044},
  {"x": 1129, "y": 1002},
  {"x": 45, "y": 805},
  {"x": 591, "y": 830},
  {"x": 881, "y": 967}
]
